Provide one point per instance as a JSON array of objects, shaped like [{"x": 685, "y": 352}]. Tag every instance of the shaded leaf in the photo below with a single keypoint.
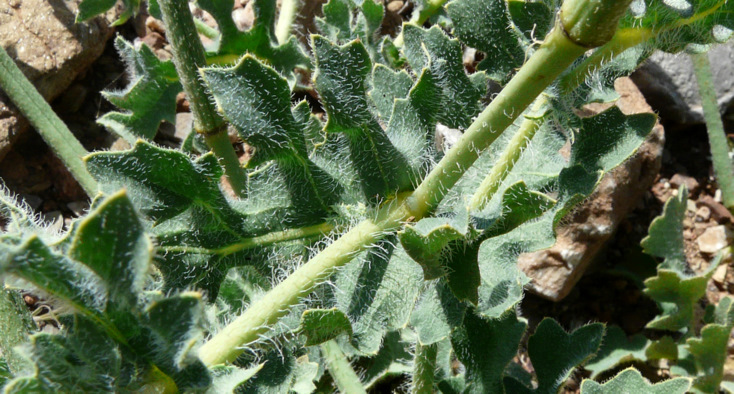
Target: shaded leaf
[
  {"x": 665, "y": 236},
  {"x": 486, "y": 347},
  {"x": 617, "y": 349},
  {"x": 321, "y": 325}
]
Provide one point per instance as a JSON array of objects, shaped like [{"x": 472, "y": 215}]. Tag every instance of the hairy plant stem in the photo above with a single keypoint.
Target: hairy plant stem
[
  {"x": 556, "y": 53},
  {"x": 15, "y": 324},
  {"x": 288, "y": 12},
  {"x": 424, "y": 366},
  {"x": 188, "y": 57},
  {"x": 715, "y": 128},
  {"x": 524, "y": 134},
  {"x": 339, "y": 368},
  {"x": 52, "y": 129}
]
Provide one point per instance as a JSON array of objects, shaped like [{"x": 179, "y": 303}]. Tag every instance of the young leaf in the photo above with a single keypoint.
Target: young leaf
[
  {"x": 709, "y": 351},
  {"x": 631, "y": 381},
  {"x": 150, "y": 97},
  {"x": 555, "y": 354},
  {"x": 321, "y": 325},
  {"x": 485, "y": 347},
  {"x": 677, "y": 298},
  {"x": 425, "y": 242},
  {"x": 665, "y": 237}
]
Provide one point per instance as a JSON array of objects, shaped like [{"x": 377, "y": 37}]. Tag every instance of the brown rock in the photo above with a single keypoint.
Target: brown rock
[
  {"x": 680, "y": 179},
  {"x": 50, "y": 49},
  {"x": 582, "y": 234},
  {"x": 718, "y": 211}
]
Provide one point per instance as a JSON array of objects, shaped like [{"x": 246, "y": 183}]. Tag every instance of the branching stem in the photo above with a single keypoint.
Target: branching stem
[
  {"x": 188, "y": 57},
  {"x": 556, "y": 53},
  {"x": 52, "y": 129}
]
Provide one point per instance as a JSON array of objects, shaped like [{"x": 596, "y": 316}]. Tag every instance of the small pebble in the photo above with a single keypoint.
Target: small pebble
[
  {"x": 690, "y": 205},
  {"x": 184, "y": 124},
  {"x": 155, "y": 25},
  {"x": 717, "y": 195},
  {"x": 704, "y": 213},
  {"x": 719, "y": 275},
  {"x": 395, "y": 6},
  {"x": 714, "y": 239},
  {"x": 680, "y": 179},
  {"x": 244, "y": 17}
]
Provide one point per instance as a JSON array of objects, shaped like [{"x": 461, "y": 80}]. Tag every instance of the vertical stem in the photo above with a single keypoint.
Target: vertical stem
[
  {"x": 424, "y": 368},
  {"x": 15, "y": 325},
  {"x": 715, "y": 128},
  {"x": 339, "y": 368},
  {"x": 188, "y": 57},
  {"x": 511, "y": 154},
  {"x": 35, "y": 108},
  {"x": 288, "y": 11}
]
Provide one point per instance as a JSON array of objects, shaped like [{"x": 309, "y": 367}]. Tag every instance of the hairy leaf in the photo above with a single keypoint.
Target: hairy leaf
[
  {"x": 88, "y": 9},
  {"x": 485, "y": 26},
  {"x": 321, "y": 325},
  {"x": 348, "y": 20},
  {"x": 617, "y": 349},
  {"x": 555, "y": 353},
  {"x": 486, "y": 347},
  {"x": 631, "y": 381},
  {"x": 341, "y": 83},
  {"x": 149, "y": 98},
  {"x": 259, "y": 40},
  {"x": 665, "y": 237},
  {"x": 437, "y": 313}
]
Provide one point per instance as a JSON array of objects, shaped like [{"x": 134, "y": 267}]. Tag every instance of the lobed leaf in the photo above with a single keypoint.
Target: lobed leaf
[
  {"x": 486, "y": 347},
  {"x": 149, "y": 98},
  {"x": 555, "y": 353},
  {"x": 631, "y": 381},
  {"x": 665, "y": 236},
  {"x": 259, "y": 41},
  {"x": 617, "y": 349}
]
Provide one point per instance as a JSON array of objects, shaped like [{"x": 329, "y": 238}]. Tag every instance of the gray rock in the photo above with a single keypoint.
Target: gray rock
[
  {"x": 583, "y": 233},
  {"x": 669, "y": 84},
  {"x": 50, "y": 49}
]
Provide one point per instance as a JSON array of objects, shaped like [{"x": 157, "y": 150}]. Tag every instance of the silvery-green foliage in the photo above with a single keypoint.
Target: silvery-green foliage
[{"x": 167, "y": 256}]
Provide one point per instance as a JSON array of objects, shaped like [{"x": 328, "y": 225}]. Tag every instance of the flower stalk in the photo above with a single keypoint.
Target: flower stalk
[{"x": 188, "y": 57}]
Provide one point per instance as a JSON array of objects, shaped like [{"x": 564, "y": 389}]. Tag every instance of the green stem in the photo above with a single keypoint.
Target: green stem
[
  {"x": 188, "y": 57},
  {"x": 419, "y": 18},
  {"x": 339, "y": 368},
  {"x": 511, "y": 154},
  {"x": 206, "y": 30},
  {"x": 556, "y": 53},
  {"x": 15, "y": 325},
  {"x": 52, "y": 129},
  {"x": 715, "y": 128},
  {"x": 288, "y": 11},
  {"x": 260, "y": 241},
  {"x": 424, "y": 368}
]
